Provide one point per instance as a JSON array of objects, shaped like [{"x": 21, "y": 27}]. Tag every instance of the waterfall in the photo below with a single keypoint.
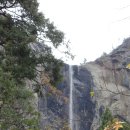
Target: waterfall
[{"x": 71, "y": 97}]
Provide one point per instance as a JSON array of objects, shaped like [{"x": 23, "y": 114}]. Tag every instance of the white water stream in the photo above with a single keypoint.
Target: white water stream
[{"x": 71, "y": 97}]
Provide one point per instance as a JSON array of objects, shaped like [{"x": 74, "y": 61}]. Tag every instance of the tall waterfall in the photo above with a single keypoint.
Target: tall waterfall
[{"x": 71, "y": 97}]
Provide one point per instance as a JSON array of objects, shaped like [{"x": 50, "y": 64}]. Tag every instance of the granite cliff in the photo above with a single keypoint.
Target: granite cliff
[{"x": 108, "y": 76}]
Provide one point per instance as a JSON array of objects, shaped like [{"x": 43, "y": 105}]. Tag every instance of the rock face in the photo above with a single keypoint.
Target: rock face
[
  {"x": 112, "y": 83},
  {"x": 110, "y": 80},
  {"x": 54, "y": 106},
  {"x": 83, "y": 106}
]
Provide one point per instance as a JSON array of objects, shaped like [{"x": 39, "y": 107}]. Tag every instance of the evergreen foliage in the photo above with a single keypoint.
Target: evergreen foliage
[
  {"x": 126, "y": 126},
  {"x": 21, "y": 26},
  {"x": 108, "y": 121},
  {"x": 105, "y": 119},
  {"x": 16, "y": 111}
]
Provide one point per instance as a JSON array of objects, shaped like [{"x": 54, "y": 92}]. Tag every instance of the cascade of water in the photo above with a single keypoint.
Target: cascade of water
[{"x": 71, "y": 97}]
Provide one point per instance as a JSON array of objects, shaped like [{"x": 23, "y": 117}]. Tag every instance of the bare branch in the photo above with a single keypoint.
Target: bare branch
[{"x": 5, "y": 6}]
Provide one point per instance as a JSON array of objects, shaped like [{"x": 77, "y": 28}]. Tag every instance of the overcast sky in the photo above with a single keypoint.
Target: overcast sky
[{"x": 92, "y": 26}]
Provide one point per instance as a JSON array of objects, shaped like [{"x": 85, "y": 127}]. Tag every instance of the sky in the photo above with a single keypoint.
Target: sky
[{"x": 92, "y": 26}]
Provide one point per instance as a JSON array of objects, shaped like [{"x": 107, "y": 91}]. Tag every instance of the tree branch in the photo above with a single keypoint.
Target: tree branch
[{"x": 5, "y": 6}]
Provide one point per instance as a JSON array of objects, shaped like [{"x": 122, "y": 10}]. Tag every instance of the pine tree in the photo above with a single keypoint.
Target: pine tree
[
  {"x": 21, "y": 27},
  {"x": 105, "y": 119}
]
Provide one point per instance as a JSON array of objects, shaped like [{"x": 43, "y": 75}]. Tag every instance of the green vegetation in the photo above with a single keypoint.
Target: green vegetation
[
  {"x": 111, "y": 123},
  {"x": 22, "y": 26},
  {"x": 105, "y": 119},
  {"x": 16, "y": 109}
]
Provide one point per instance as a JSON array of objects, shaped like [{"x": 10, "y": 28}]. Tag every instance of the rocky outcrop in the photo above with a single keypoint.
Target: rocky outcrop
[
  {"x": 112, "y": 83},
  {"x": 53, "y": 104},
  {"x": 110, "y": 80}
]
